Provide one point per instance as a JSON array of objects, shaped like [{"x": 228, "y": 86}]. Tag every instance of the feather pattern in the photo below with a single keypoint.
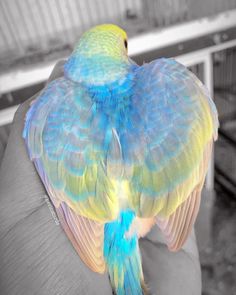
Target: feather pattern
[
  {"x": 116, "y": 146},
  {"x": 178, "y": 122},
  {"x": 179, "y": 224},
  {"x": 122, "y": 255}
]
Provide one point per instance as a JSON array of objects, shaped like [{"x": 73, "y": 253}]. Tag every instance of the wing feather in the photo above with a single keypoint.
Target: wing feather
[
  {"x": 86, "y": 235},
  {"x": 178, "y": 225},
  {"x": 70, "y": 157},
  {"x": 149, "y": 146},
  {"x": 179, "y": 123},
  {"x": 64, "y": 134}
]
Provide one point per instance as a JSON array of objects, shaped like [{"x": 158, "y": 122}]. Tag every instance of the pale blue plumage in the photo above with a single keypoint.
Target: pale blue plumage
[
  {"x": 122, "y": 255},
  {"x": 114, "y": 147}
]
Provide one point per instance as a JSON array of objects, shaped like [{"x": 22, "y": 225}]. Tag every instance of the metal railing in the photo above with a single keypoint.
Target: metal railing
[
  {"x": 55, "y": 23},
  {"x": 32, "y": 28},
  {"x": 225, "y": 87}
]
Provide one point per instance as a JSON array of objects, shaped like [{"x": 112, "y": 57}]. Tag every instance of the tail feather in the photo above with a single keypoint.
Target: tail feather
[{"x": 122, "y": 256}]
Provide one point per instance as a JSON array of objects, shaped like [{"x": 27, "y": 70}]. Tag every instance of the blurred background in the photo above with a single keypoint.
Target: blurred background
[{"x": 201, "y": 34}]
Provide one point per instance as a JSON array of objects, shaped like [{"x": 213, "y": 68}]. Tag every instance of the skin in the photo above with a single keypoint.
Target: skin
[{"x": 37, "y": 257}]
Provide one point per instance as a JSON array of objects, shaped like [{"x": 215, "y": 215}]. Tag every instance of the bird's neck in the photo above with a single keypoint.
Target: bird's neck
[
  {"x": 96, "y": 70},
  {"x": 115, "y": 93}
]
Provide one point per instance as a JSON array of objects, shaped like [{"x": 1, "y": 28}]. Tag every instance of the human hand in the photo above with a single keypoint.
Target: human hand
[{"x": 37, "y": 257}]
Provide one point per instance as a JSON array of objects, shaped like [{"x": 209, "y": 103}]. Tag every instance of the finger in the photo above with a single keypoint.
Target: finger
[
  {"x": 35, "y": 253},
  {"x": 16, "y": 169},
  {"x": 4, "y": 133}
]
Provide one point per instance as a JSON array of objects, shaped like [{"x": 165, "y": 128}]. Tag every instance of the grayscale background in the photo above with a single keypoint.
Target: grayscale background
[{"x": 201, "y": 34}]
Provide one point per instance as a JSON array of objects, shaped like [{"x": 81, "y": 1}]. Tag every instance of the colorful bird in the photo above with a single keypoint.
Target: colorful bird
[{"x": 120, "y": 148}]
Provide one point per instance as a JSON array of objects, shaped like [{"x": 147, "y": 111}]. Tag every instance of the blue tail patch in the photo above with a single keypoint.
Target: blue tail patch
[{"x": 122, "y": 256}]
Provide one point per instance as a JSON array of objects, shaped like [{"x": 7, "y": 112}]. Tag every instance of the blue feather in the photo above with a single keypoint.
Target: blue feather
[{"x": 122, "y": 255}]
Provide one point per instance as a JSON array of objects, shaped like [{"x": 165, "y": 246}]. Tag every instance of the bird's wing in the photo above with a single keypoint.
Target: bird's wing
[
  {"x": 176, "y": 122},
  {"x": 70, "y": 147}
]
